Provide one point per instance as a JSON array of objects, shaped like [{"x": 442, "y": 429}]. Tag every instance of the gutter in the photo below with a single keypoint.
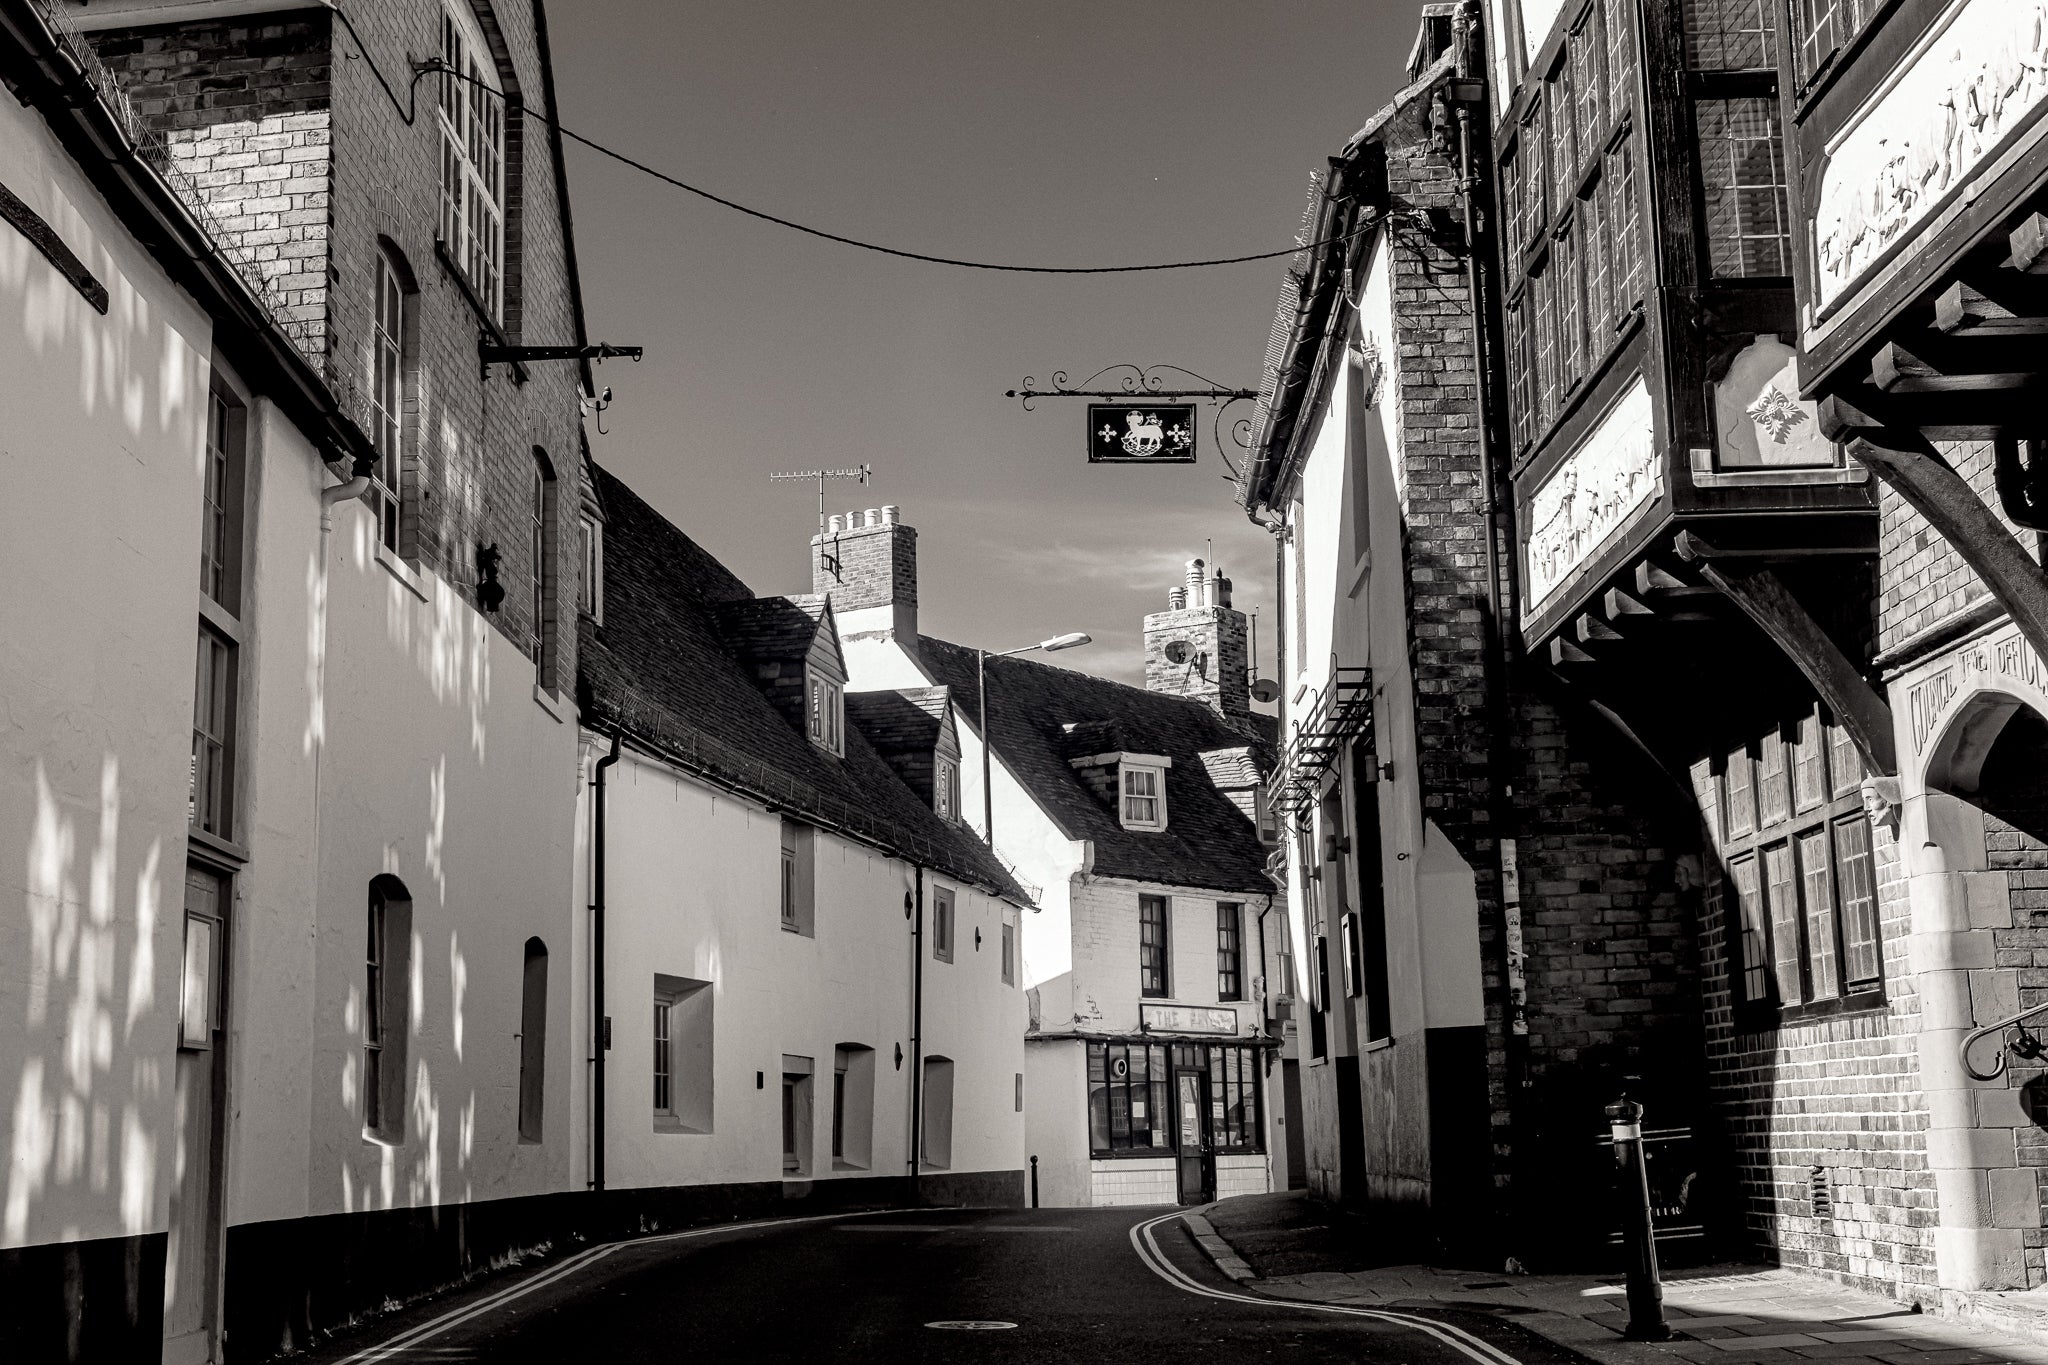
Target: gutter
[
  {"x": 917, "y": 1036},
  {"x": 48, "y": 78}
]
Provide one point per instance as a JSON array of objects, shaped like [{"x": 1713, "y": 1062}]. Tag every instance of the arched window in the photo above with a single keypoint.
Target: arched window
[
  {"x": 386, "y": 1018},
  {"x": 392, "y": 364},
  {"x": 541, "y": 514},
  {"x": 533, "y": 1040}
]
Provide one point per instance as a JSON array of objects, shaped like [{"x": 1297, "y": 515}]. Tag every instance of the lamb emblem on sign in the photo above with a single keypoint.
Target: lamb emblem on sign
[{"x": 1147, "y": 437}]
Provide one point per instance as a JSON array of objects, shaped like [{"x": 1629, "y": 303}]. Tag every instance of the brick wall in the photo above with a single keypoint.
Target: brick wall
[
  {"x": 1610, "y": 964},
  {"x": 1921, "y": 577},
  {"x": 1215, "y": 670},
  {"x": 877, "y": 566},
  {"x": 311, "y": 170}
]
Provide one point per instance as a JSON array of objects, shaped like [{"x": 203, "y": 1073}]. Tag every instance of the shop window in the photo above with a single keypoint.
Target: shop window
[
  {"x": 682, "y": 1055},
  {"x": 1128, "y": 1099},
  {"x": 533, "y": 1040},
  {"x": 1229, "y": 950},
  {"x": 1154, "y": 979},
  {"x": 942, "y": 923},
  {"x": 799, "y": 880},
  {"x": 387, "y": 1016},
  {"x": 1236, "y": 1121},
  {"x": 853, "y": 1107},
  {"x": 797, "y": 1121},
  {"x": 935, "y": 1136}
]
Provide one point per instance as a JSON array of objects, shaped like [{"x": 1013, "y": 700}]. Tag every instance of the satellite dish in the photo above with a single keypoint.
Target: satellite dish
[
  {"x": 1177, "y": 651},
  {"x": 1265, "y": 689}
]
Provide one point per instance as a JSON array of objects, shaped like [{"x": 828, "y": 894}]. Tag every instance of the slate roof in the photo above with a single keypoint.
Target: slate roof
[
  {"x": 770, "y": 627},
  {"x": 664, "y": 666},
  {"x": 1208, "y": 842},
  {"x": 899, "y": 721}
]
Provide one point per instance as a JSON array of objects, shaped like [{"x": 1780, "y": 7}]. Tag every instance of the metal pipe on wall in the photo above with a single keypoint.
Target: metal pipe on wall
[
  {"x": 599, "y": 1039},
  {"x": 917, "y": 1034}
]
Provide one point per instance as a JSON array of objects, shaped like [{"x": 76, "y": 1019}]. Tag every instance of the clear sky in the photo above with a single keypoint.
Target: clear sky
[{"x": 1059, "y": 132}]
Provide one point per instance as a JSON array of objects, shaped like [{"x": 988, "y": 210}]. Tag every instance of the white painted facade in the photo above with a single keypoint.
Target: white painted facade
[
  {"x": 692, "y": 892},
  {"x": 1080, "y": 958}
]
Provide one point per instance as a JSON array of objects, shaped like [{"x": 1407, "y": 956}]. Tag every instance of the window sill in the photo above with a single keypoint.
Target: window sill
[
  {"x": 1770, "y": 1018},
  {"x": 798, "y": 931},
  {"x": 663, "y": 1125},
  {"x": 1704, "y": 475},
  {"x": 838, "y": 1165},
  {"x": 226, "y": 849},
  {"x": 402, "y": 571},
  {"x": 1140, "y": 1154},
  {"x": 375, "y": 1139},
  {"x": 550, "y": 703},
  {"x": 1375, "y": 1045}
]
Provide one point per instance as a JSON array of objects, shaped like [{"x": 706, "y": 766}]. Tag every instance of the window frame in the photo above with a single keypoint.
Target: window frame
[
  {"x": 796, "y": 882},
  {"x": 590, "y": 567},
  {"x": 393, "y": 362},
  {"x": 946, "y": 789},
  {"x": 1155, "y": 1087},
  {"x": 1155, "y": 947},
  {"x": 825, "y": 709},
  {"x": 1771, "y": 873},
  {"x": 944, "y": 925},
  {"x": 474, "y": 162},
  {"x": 1155, "y": 773},
  {"x": 1236, "y": 1087},
  {"x": 1009, "y": 961},
  {"x": 544, "y": 520},
  {"x": 1229, "y": 951}
]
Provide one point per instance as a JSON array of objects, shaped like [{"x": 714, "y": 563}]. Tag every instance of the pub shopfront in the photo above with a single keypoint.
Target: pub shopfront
[{"x": 1185, "y": 1104}]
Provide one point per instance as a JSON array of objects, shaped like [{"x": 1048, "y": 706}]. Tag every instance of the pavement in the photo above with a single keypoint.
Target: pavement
[
  {"x": 1006, "y": 1286},
  {"x": 1280, "y": 1246}
]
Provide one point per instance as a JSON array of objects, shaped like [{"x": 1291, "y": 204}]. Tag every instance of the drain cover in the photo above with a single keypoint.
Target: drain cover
[{"x": 970, "y": 1325}]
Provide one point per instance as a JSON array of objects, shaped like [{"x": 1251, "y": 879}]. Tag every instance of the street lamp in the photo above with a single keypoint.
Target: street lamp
[{"x": 1070, "y": 640}]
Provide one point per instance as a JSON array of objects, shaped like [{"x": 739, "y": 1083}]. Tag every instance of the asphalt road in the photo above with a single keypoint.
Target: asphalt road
[{"x": 1079, "y": 1285}]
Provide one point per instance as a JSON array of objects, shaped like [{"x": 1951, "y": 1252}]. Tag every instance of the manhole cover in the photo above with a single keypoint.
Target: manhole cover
[{"x": 970, "y": 1325}]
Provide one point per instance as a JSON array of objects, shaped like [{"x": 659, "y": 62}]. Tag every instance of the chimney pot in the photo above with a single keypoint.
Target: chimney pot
[
  {"x": 1177, "y": 600},
  {"x": 832, "y": 523},
  {"x": 873, "y": 516},
  {"x": 891, "y": 514}
]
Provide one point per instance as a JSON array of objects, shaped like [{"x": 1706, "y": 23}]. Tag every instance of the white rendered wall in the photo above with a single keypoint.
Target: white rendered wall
[
  {"x": 692, "y": 891},
  {"x": 99, "y": 548}
]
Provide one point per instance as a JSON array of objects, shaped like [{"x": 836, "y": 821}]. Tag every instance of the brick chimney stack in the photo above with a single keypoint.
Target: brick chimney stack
[
  {"x": 866, "y": 562},
  {"x": 1196, "y": 647}
]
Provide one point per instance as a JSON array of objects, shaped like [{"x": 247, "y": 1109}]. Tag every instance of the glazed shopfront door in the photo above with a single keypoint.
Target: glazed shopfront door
[{"x": 1197, "y": 1163}]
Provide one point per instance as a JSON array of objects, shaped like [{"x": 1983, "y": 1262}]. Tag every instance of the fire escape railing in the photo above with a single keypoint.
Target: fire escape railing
[{"x": 1343, "y": 714}]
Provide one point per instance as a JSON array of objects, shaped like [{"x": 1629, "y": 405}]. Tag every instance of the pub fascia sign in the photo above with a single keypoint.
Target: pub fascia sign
[
  {"x": 1187, "y": 1019},
  {"x": 1141, "y": 433},
  {"x": 1977, "y": 75}
]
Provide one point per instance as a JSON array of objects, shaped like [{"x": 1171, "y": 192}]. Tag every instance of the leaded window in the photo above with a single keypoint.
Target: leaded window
[
  {"x": 1742, "y": 178},
  {"x": 1820, "y": 28}
]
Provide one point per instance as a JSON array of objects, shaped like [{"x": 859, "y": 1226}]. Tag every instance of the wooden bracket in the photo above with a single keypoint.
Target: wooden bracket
[
  {"x": 1913, "y": 469},
  {"x": 1764, "y": 599}
]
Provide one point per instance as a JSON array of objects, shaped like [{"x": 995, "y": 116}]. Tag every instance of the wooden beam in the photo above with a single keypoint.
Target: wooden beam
[
  {"x": 1591, "y": 630},
  {"x": 1936, "y": 416},
  {"x": 1965, "y": 310},
  {"x": 1563, "y": 651},
  {"x": 1916, "y": 473},
  {"x": 1766, "y": 600},
  {"x": 1616, "y": 603},
  {"x": 1660, "y": 583},
  {"x": 2029, "y": 243},
  {"x": 1691, "y": 547},
  {"x": 1929, "y": 369}
]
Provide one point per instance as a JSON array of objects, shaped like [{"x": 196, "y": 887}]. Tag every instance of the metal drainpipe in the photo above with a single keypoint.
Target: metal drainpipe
[
  {"x": 917, "y": 1037},
  {"x": 597, "y": 1031},
  {"x": 1500, "y": 792}
]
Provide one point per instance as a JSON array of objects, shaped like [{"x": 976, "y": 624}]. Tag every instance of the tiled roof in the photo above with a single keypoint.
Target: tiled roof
[
  {"x": 1232, "y": 768},
  {"x": 1207, "y": 843},
  {"x": 901, "y": 720},
  {"x": 771, "y": 627},
  {"x": 663, "y": 666}
]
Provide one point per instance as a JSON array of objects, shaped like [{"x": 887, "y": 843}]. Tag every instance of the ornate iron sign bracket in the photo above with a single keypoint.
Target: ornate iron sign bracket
[{"x": 1149, "y": 382}]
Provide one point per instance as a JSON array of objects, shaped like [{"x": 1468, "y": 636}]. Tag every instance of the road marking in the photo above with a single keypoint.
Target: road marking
[
  {"x": 1455, "y": 1337},
  {"x": 971, "y": 1325},
  {"x": 955, "y": 1227},
  {"x": 455, "y": 1317}
]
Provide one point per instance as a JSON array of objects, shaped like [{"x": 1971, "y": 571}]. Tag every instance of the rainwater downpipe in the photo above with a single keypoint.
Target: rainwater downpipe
[
  {"x": 1500, "y": 792},
  {"x": 599, "y": 1042},
  {"x": 917, "y": 1035},
  {"x": 346, "y": 491}
]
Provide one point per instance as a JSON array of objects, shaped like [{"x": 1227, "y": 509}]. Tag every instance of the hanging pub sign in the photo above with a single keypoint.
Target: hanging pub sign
[{"x": 1148, "y": 433}]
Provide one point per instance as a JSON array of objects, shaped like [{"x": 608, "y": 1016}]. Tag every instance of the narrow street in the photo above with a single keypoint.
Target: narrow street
[{"x": 1079, "y": 1285}]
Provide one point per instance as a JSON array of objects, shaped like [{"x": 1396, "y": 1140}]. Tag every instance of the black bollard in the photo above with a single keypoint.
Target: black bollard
[
  {"x": 1645, "y": 1289},
  {"x": 1034, "y": 1182}
]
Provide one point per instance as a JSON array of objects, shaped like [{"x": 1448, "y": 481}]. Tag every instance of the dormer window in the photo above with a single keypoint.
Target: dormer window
[
  {"x": 828, "y": 712},
  {"x": 1144, "y": 796},
  {"x": 946, "y": 789}
]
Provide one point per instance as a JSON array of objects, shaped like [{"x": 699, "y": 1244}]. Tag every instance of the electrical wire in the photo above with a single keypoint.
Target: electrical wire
[{"x": 434, "y": 67}]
